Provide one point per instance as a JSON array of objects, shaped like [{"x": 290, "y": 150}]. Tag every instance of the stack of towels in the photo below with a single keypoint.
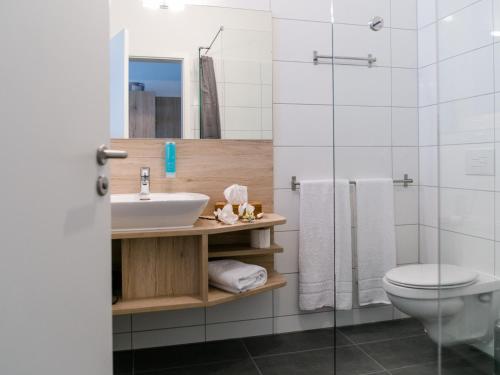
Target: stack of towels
[
  {"x": 325, "y": 271},
  {"x": 236, "y": 277}
]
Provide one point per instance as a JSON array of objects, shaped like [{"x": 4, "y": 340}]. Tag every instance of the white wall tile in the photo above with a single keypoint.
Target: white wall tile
[
  {"x": 404, "y": 14},
  {"x": 168, "y": 319},
  {"x": 427, "y": 85},
  {"x": 447, "y": 7},
  {"x": 428, "y": 166},
  {"x": 428, "y": 125},
  {"x": 307, "y": 163},
  {"x": 239, "y": 118},
  {"x": 286, "y": 299},
  {"x": 497, "y": 219},
  {"x": 303, "y": 125},
  {"x": 302, "y": 83},
  {"x": 241, "y": 4},
  {"x": 242, "y": 95},
  {"x": 296, "y": 40},
  {"x": 302, "y": 10},
  {"x": 404, "y": 48},
  {"x": 168, "y": 337},
  {"x": 362, "y": 126},
  {"x": 467, "y": 121},
  {"x": 427, "y": 38},
  {"x": 122, "y": 323},
  {"x": 407, "y": 244},
  {"x": 304, "y": 322},
  {"x": 286, "y": 203},
  {"x": 429, "y": 206},
  {"x": 404, "y": 127},
  {"x": 255, "y": 307},
  {"x": 466, "y": 30},
  {"x": 426, "y": 12},
  {"x": 466, "y": 251},
  {"x": 360, "y": 12},
  {"x": 364, "y": 315},
  {"x": 242, "y": 71},
  {"x": 478, "y": 64},
  {"x": 288, "y": 261},
  {"x": 404, "y": 87},
  {"x": 428, "y": 245},
  {"x": 453, "y": 166},
  {"x": 468, "y": 211},
  {"x": 358, "y": 85},
  {"x": 405, "y": 161},
  {"x": 366, "y": 41},
  {"x": 122, "y": 341},
  {"x": 247, "y": 328},
  {"x": 363, "y": 162},
  {"x": 406, "y": 205}
]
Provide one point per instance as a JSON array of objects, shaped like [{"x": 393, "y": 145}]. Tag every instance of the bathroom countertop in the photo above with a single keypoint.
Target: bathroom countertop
[{"x": 202, "y": 226}]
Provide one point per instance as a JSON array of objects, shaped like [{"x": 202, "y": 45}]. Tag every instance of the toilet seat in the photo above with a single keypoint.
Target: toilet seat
[{"x": 431, "y": 276}]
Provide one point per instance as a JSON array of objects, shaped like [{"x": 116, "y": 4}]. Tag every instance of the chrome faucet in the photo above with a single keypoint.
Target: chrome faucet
[{"x": 145, "y": 193}]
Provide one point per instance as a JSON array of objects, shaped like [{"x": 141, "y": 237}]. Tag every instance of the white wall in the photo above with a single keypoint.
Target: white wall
[
  {"x": 376, "y": 135},
  {"x": 458, "y": 87}
]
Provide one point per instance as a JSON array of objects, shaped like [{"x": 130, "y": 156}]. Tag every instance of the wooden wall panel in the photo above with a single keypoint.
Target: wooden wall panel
[
  {"x": 203, "y": 166},
  {"x": 142, "y": 114}
]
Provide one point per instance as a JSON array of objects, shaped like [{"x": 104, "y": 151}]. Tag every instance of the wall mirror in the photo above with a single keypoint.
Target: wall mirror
[{"x": 189, "y": 71}]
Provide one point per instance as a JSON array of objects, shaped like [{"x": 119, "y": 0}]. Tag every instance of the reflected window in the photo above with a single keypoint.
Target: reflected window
[{"x": 155, "y": 98}]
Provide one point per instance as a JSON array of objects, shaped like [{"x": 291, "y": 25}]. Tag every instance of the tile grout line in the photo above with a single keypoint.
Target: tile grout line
[
  {"x": 251, "y": 357},
  {"x": 365, "y": 353}
]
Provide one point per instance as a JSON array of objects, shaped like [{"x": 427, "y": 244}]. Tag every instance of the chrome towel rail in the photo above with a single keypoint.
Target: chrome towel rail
[
  {"x": 317, "y": 57},
  {"x": 406, "y": 181}
]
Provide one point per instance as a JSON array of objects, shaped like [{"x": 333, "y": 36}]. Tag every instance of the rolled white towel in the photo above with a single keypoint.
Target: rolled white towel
[{"x": 234, "y": 276}]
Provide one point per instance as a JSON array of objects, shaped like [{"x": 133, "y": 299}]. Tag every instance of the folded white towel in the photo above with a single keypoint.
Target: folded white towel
[
  {"x": 376, "y": 239},
  {"x": 317, "y": 257},
  {"x": 234, "y": 276}
]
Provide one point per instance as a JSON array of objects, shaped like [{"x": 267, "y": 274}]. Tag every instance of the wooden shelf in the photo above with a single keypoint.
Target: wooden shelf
[
  {"x": 158, "y": 262},
  {"x": 156, "y": 304},
  {"x": 227, "y": 251},
  {"x": 217, "y": 296},
  {"x": 202, "y": 226}
]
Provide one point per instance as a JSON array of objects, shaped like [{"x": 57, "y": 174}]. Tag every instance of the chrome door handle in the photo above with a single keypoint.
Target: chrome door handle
[{"x": 104, "y": 153}]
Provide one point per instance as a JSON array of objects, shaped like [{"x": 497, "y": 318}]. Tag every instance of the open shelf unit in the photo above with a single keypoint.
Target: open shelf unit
[{"x": 168, "y": 269}]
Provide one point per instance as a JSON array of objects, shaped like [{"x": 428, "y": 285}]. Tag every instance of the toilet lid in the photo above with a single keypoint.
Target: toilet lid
[{"x": 426, "y": 276}]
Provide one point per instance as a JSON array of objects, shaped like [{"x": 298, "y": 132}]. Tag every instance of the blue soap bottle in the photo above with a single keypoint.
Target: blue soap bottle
[{"x": 170, "y": 159}]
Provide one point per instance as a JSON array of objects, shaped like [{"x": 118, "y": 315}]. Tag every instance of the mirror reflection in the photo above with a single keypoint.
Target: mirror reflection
[{"x": 198, "y": 72}]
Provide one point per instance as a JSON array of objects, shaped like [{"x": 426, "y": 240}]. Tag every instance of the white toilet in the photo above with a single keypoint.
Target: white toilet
[{"x": 469, "y": 300}]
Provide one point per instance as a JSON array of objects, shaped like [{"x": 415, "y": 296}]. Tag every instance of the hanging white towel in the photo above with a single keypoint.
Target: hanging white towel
[
  {"x": 234, "y": 276},
  {"x": 376, "y": 239},
  {"x": 317, "y": 256}
]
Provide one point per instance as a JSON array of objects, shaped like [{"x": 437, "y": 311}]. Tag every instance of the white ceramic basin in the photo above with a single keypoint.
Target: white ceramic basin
[{"x": 164, "y": 210}]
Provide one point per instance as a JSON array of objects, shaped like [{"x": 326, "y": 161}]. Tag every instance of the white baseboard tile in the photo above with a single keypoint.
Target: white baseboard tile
[
  {"x": 247, "y": 328},
  {"x": 122, "y": 323},
  {"x": 364, "y": 315},
  {"x": 122, "y": 341},
  {"x": 168, "y": 319},
  {"x": 168, "y": 337},
  {"x": 255, "y": 307},
  {"x": 304, "y": 322}
]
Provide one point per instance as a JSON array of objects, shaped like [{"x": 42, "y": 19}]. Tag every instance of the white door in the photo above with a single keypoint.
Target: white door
[
  {"x": 55, "y": 261},
  {"x": 118, "y": 60}
]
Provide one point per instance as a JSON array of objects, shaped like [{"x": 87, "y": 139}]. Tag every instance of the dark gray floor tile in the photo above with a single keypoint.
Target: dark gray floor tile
[
  {"x": 122, "y": 362},
  {"x": 398, "y": 353},
  {"x": 294, "y": 342},
  {"x": 243, "y": 367},
  {"x": 350, "y": 361},
  {"x": 451, "y": 367},
  {"x": 383, "y": 330},
  {"x": 186, "y": 355}
]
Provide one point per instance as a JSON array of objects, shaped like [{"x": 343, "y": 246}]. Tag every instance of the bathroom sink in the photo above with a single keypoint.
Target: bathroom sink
[{"x": 163, "y": 210}]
